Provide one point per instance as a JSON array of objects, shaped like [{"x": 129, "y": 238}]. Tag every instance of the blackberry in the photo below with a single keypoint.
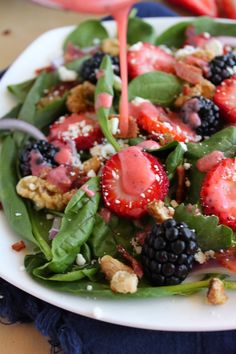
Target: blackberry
[
  {"x": 89, "y": 67},
  {"x": 46, "y": 150},
  {"x": 168, "y": 253},
  {"x": 221, "y": 68},
  {"x": 207, "y": 120}
]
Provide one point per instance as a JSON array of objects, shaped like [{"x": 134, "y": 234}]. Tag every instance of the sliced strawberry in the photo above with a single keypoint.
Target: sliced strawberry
[
  {"x": 229, "y": 7},
  {"x": 145, "y": 57},
  {"x": 227, "y": 258},
  {"x": 225, "y": 98},
  {"x": 166, "y": 123},
  {"x": 130, "y": 180},
  {"x": 80, "y": 128},
  {"x": 194, "y": 39},
  {"x": 203, "y": 7},
  {"x": 189, "y": 73},
  {"x": 218, "y": 192}
]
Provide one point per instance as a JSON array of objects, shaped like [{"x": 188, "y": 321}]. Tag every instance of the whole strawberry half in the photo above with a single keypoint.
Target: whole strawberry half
[
  {"x": 225, "y": 98},
  {"x": 198, "y": 7},
  {"x": 130, "y": 180},
  {"x": 80, "y": 128},
  {"x": 218, "y": 192},
  {"x": 145, "y": 57}
]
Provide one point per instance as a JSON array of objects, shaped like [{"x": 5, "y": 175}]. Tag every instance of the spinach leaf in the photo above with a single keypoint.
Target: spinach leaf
[
  {"x": 76, "y": 65},
  {"x": 139, "y": 30},
  {"x": 14, "y": 207},
  {"x": 106, "y": 236},
  {"x": 47, "y": 115},
  {"x": 21, "y": 90},
  {"x": 13, "y": 113},
  {"x": 210, "y": 235},
  {"x": 158, "y": 87},
  {"x": 85, "y": 34},
  {"x": 174, "y": 36},
  {"x": 76, "y": 227},
  {"x": 175, "y": 159},
  {"x": 105, "y": 85},
  {"x": 215, "y": 28},
  {"x": 40, "y": 227}
]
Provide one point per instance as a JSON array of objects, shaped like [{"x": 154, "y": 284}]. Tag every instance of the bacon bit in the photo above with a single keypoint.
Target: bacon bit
[
  {"x": 6, "y": 32},
  {"x": 140, "y": 236},
  {"x": 137, "y": 268},
  {"x": 18, "y": 246},
  {"x": 105, "y": 214},
  {"x": 180, "y": 170},
  {"x": 133, "y": 129},
  {"x": 46, "y": 69},
  {"x": 188, "y": 72}
]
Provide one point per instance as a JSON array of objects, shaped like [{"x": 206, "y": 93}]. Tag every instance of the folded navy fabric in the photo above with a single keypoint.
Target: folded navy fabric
[{"x": 76, "y": 334}]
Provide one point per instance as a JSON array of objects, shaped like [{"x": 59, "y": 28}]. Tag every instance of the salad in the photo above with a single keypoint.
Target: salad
[{"x": 136, "y": 215}]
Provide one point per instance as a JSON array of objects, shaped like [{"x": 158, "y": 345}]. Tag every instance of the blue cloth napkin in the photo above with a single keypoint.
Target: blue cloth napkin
[{"x": 76, "y": 334}]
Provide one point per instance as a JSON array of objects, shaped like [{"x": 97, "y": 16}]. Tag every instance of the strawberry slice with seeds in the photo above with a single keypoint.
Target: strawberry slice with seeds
[
  {"x": 229, "y": 8},
  {"x": 159, "y": 122},
  {"x": 218, "y": 192},
  {"x": 227, "y": 258},
  {"x": 130, "y": 180},
  {"x": 80, "y": 128},
  {"x": 203, "y": 7},
  {"x": 225, "y": 98},
  {"x": 145, "y": 57}
]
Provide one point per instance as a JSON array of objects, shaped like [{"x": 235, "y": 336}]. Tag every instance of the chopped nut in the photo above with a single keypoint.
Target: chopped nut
[
  {"x": 81, "y": 98},
  {"x": 159, "y": 211},
  {"x": 216, "y": 293},
  {"x": 45, "y": 194},
  {"x": 92, "y": 164},
  {"x": 111, "y": 46},
  {"x": 110, "y": 266},
  {"x": 205, "y": 88},
  {"x": 124, "y": 282}
]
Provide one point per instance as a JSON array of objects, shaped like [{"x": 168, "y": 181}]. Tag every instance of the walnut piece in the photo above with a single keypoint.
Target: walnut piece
[
  {"x": 216, "y": 293},
  {"x": 124, "y": 282},
  {"x": 205, "y": 89},
  {"x": 110, "y": 266},
  {"x": 92, "y": 164},
  {"x": 43, "y": 193},
  {"x": 159, "y": 211},
  {"x": 81, "y": 98},
  {"x": 111, "y": 46}
]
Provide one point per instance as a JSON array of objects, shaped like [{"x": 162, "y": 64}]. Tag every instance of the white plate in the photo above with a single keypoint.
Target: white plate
[{"x": 173, "y": 313}]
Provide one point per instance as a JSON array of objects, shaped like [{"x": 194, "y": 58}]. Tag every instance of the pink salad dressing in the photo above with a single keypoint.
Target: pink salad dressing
[
  {"x": 119, "y": 9},
  {"x": 138, "y": 177},
  {"x": 149, "y": 144},
  {"x": 209, "y": 161},
  {"x": 104, "y": 100},
  {"x": 58, "y": 176},
  {"x": 89, "y": 193}
]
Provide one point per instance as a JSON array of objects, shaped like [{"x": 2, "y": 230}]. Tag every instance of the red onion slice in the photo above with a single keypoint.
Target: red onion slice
[
  {"x": 55, "y": 228},
  {"x": 20, "y": 125}
]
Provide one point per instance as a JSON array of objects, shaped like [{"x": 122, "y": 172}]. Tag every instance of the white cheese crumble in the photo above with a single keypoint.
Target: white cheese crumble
[
  {"x": 184, "y": 146},
  {"x": 89, "y": 288},
  {"x": 136, "y": 47},
  {"x": 18, "y": 214},
  {"x": 185, "y": 51},
  {"x": 91, "y": 173},
  {"x": 114, "y": 125},
  {"x": 66, "y": 74},
  {"x": 203, "y": 257},
  {"x": 102, "y": 150},
  {"x": 214, "y": 46},
  {"x": 80, "y": 260},
  {"x": 139, "y": 100}
]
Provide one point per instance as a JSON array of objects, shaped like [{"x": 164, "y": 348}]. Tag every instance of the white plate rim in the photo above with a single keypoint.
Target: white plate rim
[{"x": 169, "y": 314}]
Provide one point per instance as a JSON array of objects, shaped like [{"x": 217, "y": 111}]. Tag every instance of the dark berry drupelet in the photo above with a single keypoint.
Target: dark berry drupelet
[
  {"x": 207, "y": 121},
  {"x": 91, "y": 65},
  {"x": 220, "y": 68},
  {"x": 168, "y": 253},
  {"x": 46, "y": 150}
]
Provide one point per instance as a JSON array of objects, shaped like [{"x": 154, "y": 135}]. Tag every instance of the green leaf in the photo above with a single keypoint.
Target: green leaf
[
  {"x": 47, "y": 115},
  {"x": 158, "y": 87},
  {"x": 175, "y": 159},
  {"x": 105, "y": 85},
  {"x": 21, "y": 90},
  {"x": 15, "y": 209},
  {"x": 77, "y": 64},
  {"x": 76, "y": 227},
  {"x": 85, "y": 34},
  {"x": 139, "y": 30},
  {"x": 210, "y": 235},
  {"x": 174, "y": 36},
  {"x": 215, "y": 28}
]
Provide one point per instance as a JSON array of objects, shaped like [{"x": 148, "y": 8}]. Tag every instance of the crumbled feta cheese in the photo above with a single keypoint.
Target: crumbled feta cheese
[
  {"x": 18, "y": 214},
  {"x": 102, "y": 150},
  {"x": 49, "y": 216},
  {"x": 184, "y": 146},
  {"x": 187, "y": 182},
  {"x": 187, "y": 166},
  {"x": 137, "y": 247},
  {"x": 135, "y": 47},
  {"x": 114, "y": 125},
  {"x": 138, "y": 100},
  {"x": 91, "y": 173},
  {"x": 89, "y": 287},
  {"x": 214, "y": 46},
  {"x": 117, "y": 82},
  {"x": 173, "y": 203},
  {"x": 80, "y": 260},
  {"x": 203, "y": 257},
  {"x": 66, "y": 74},
  {"x": 185, "y": 51}
]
